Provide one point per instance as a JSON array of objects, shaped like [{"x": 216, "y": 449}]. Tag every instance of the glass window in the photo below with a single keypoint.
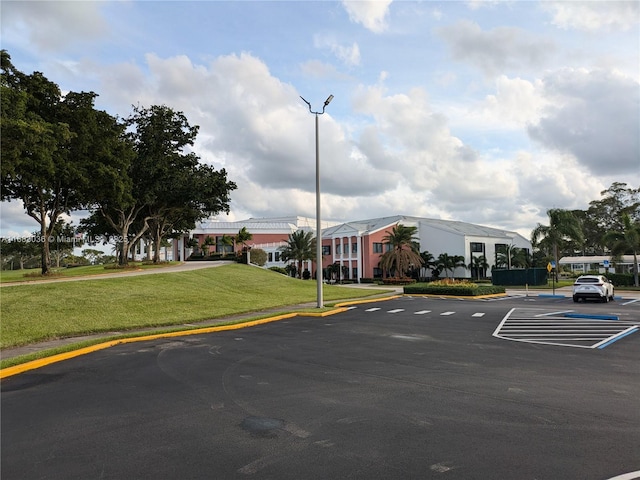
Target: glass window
[
  {"x": 354, "y": 247},
  {"x": 377, "y": 248},
  {"x": 326, "y": 250},
  {"x": 477, "y": 247},
  {"x": 270, "y": 255},
  {"x": 277, "y": 256},
  {"x": 338, "y": 249}
]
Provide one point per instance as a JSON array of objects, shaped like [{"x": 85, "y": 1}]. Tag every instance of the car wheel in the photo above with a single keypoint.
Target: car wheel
[
  {"x": 605, "y": 299},
  {"x": 575, "y": 299}
]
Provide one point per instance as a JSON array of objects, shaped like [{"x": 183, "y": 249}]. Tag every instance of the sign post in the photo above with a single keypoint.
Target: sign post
[{"x": 551, "y": 266}]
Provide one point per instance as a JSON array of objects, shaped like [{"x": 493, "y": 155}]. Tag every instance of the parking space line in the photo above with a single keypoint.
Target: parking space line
[
  {"x": 615, "y": 338},
  {"x": 447, "y": 313},
  {"x": 396, "y": 310},
  {"x": 421, "y": 312}
]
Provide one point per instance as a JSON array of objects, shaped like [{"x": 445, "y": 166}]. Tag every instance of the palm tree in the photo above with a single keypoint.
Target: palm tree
[
  {"x": 428, "y": 261},
  {"x": 226, "y": 241},
  {"x": 208, "y": 241},
  {"x": 243, "y": 237},
  {"x": 626, "y": 241},
  {"x": 300, "y": 246},
  {"x": 450, "y": 262},
  {"x": 403, "y": 253},
  {"x": 563, "y": 228},
  {"x": 479, "y": 264}
]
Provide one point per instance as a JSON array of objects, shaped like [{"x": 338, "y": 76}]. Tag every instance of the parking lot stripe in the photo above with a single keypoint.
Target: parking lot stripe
[
  {"x": 447, "y": 313},
  {"x": 422, "y": 312},
  {"x": 372, "y": 309},
  {"x": 396, "y": 310},
  {"x": 606, "y": 343},
  {"x": 479, "y": 314}
]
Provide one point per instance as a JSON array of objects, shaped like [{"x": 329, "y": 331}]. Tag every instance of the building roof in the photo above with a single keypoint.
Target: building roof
[
  {"x": 367, "y": 227},
  {"x": 626, "y": 259}
]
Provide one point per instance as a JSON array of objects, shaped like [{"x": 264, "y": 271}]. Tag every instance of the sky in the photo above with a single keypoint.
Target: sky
[{"x": 479, "y": 111}]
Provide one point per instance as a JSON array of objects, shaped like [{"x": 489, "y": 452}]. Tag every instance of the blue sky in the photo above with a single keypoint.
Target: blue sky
[{"x": 487, "y": 112}]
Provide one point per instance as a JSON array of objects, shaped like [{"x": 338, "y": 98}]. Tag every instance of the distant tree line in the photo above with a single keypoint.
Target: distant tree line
[{"x": 136, "y": 177}]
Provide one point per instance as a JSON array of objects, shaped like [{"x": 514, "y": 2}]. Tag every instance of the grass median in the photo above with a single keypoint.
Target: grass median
[{"x": 38, "y": 312}]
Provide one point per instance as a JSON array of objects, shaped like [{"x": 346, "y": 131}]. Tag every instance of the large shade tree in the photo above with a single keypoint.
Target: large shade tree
[
  {"x": 49, "y": 144},
  {"x": 163, "y": 190},
  {"x": 301, "y": 246},
  {"x": 403, "y": 253}
]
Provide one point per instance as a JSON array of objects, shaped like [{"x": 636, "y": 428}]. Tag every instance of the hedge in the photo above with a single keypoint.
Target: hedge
[{"x": 457, "y": 290}]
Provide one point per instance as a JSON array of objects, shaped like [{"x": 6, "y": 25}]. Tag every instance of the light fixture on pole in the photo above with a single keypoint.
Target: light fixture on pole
[{"x": 318, "y": 222}]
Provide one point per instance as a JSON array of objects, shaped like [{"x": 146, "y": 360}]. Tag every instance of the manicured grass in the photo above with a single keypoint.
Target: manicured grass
[{"x": 38, "y": 312}]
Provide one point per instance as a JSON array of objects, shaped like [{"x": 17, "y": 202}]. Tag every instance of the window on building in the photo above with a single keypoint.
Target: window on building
[
  {"x": 354, "y": 247},
  {"x": 337, "y": 249},
  {"x": 326, "y": 250},
  {"x": 270, "y": 257},
  {"x": 354, "y": 273},
  {"x": 377, "y": 272},
  {"x": 388, "y": 247},
  {"x": 277, "y": 256},
  {"x": 377, "y": 247},
  {"x": 477, "y": 247}
]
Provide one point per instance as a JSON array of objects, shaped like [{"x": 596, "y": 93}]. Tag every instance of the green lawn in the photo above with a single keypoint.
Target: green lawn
[{"x": 43, "y": 311}]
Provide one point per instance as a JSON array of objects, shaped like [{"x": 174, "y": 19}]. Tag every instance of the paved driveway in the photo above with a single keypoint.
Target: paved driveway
[{"x": 407, "y": 388}]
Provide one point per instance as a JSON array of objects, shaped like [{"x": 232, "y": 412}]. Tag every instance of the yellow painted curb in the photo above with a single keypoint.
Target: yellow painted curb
[{"x": 41, "y": 362}]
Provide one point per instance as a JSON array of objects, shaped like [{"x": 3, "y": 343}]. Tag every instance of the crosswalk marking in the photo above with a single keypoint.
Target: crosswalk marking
[{"x": 556, "y": 328}]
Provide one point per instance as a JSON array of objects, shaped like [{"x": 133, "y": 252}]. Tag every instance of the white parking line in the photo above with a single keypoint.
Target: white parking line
[
  {"x": 478, "y": 314},
  {"x": 396, "y": 310},
  {"x": 372, "y": 309},
  {"x": 447, "y": 313},
  {"x": 421, "y": 312}
]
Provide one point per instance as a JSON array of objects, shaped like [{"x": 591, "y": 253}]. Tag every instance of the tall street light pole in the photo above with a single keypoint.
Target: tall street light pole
[{"x": 318, "y": 222}]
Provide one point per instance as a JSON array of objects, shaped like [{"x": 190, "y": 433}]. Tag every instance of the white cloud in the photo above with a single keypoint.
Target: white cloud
[
  {"x": 53, "y": 26},
  {"x": 369, "y": 13},
  {"x": 593, "y": 115},
  {"x": 594, "y": 16},
  {"x": 347, "y": 54},
  {"x": 498, "y": 50}
]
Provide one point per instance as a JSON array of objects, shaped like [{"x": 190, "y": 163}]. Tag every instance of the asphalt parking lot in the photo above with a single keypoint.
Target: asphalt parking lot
[{"x": 408, "y": 388}]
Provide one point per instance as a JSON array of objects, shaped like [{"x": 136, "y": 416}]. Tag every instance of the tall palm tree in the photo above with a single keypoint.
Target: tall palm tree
[
  {"x": 479, "y": 265},
  {"x": 243, "y": 236},
  {"x": 300, "y": 246},
  {"x": 626, "y": 241},
  {"x": 563, "y": 229},
  {"x": 450, "y": 262},
  {"x": 227, "y": 241},
  {"x": 428, "y": 261},
  {"x": 404, "y": 251}
]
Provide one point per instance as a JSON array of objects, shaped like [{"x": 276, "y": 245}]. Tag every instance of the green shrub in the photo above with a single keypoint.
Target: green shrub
[
  {"x": 621, "y": 279},
  {"x": 279, "y": 270},
  {"x": 398, "y": 281},
  {"x": 456, "y": 289}
]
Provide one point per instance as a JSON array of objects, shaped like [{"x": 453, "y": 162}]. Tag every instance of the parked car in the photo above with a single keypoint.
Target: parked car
[{"x": 596, "y": 287}]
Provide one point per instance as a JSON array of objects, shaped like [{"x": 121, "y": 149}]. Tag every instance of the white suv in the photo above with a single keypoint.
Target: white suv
[{"x": 592, "y": 286}]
